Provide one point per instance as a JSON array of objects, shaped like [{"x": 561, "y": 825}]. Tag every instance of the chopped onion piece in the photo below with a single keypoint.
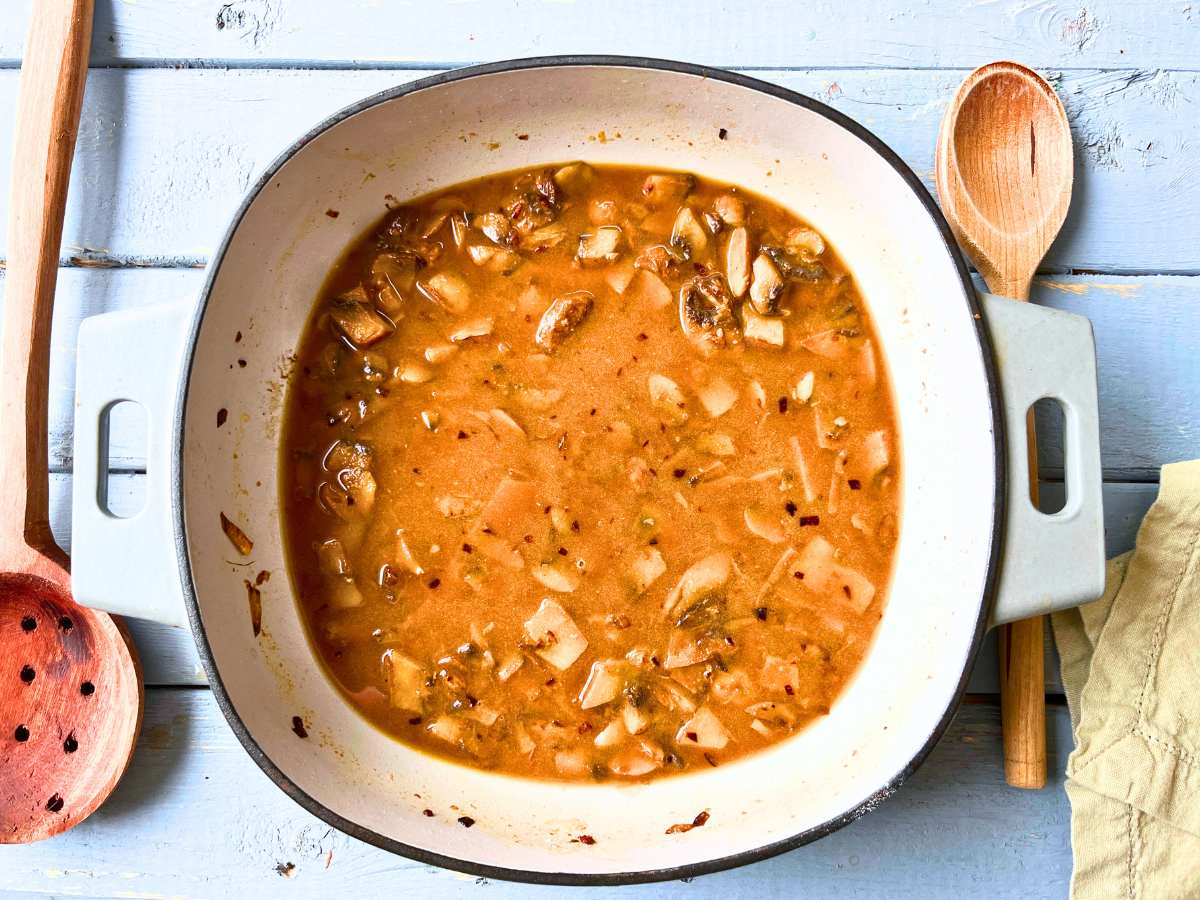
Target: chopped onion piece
[
  {"x": 687, "y": 231},
  {"x": 406, "y": 555},
  {"x": 439, "y": 353},
  {"x": 510, "y": 666},
  {"x": 703, "y": 730},
  {"x": 447, "y": 290},
  {"x": 772, "y": 713},
  {"x": 640, "y": 759},
  {"x": 600, "y": 246},
  {"x": 716, "y": 444},
  {"x": 447, "y": 728},
  {"x": 525, "y": 743},
  {"x": 634, "y": 718},
  {"x": 823, "y": 574},
  {"x": 603, "y": 684},
  {"x": 646, "y": 287},
  {"x": 667, "y": 397},
  {"x": 415, "y": 373},
  {"x": 764, "y": 330},
  {"x": 570, "y": 762},
  {"x": 558, "y": 639},
  {"x": 877, "y": 450},
  {"x": 702, "y": 577},
  {"x": 480, "y": 327},
  {"x": 647, "y": 567},
  {"x": 405, "y": 681},
  {"x": 556, "y": 578},
  {"x": 806, "y": 484},
  {"x": 764, "y": 525},
  {"x": 803, "y": 390},
  {"x": 737, "y": 262},
  {"x": 612, "y": 734},
  {"x": 718, "y": 397}
]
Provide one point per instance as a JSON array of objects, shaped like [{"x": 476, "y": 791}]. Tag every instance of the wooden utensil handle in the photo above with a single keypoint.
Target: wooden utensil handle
[
  {"x": 1022, "y": 648},
  {"x": 51, "y": 94}
]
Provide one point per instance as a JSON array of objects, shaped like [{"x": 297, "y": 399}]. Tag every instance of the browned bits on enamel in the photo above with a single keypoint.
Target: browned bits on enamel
[
  {"x": 298, "y": 727},
  {"x": 685, "y": 827},
  {"x": 254, "y": 598}
]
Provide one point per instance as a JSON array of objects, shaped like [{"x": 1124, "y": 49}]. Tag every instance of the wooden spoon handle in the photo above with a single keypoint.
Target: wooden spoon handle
[
  {"x": 51, "y": 94},
  {"x": 1022, "y": 648}
]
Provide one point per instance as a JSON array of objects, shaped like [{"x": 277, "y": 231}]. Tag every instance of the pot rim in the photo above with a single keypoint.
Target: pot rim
[{"x": 691, "y": 870}]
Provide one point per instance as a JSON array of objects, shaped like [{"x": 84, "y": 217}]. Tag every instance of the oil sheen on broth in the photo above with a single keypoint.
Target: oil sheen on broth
[{"x": 590, "y": 473}]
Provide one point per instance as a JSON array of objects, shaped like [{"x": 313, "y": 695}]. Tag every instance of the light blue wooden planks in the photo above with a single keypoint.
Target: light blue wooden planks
[
  {"x": 194, "y": 817},
  {"x": 774, "y": 33},
  {"x": 165, "y": 156}
]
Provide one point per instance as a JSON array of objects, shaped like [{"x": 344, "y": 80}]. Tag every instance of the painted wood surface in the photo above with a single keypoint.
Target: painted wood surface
[
  {"x": 775, "y": 33},
  {"x": 195, "y": 818},
  {"x": 1147, "y": 333},
  {"x": 184, "y": 146},
  {"x": 169, "y": 656}
]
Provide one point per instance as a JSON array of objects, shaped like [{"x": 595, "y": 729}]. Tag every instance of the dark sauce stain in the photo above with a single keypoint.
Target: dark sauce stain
[
  {"x": 298, "y": 727},
  {"x": 332, "y": 213},
  {"x": 222, "y": 415},
  {"x": 466, "y": 821}
]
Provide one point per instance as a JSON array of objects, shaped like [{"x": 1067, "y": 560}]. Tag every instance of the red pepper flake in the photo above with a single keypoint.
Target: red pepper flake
[
  {"x": 551, "y": 681},
  {"x": 522, "y": 137},
  {"x": 262, "y": 578},
  {"x": 427, "y": 813},
  {"x": 761, "y": 613},
  {"x": 642, "y": 336},
  {"x": 298, "y": 727},
  {"x": 679, "y": 473},
  {"x": 697, "y": 822},
  {"x": 467, "y": 548},
  {"x": 692, "y": 736},
  {"x": 855, "y": 484},
  {"x": 790, "y": 507},
  {"x": 584, "y": 727},
  {"x": 787, "y": 689},
  {"x": 332, "y": 213},
  {"x": 575, "y": 525},
  {"x": 722, "y": 134},
  {"x": 584, "y": 839},
  {"x": 528, "y": 538},
  {"x": 435, "y": 583},
  {"x": 414, "y": 720},
  {"x": 799, "y": 576},
  {"x": 810, "y": 520},
  {"x": 562, "y": 551},
  {"x": 846, "y": 589},
  {"x": 462, "y": 435},
  {"x": 241, "y": 364},
  {"x": 222, "y": 415},
  {"x": 237, "y": 338},
  {"x": 783, "y": 404},
  {"x": 466, "y": 821},
  {"x": 708, "y": 758}
]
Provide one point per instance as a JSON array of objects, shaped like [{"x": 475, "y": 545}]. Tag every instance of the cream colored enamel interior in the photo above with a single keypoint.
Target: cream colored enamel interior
[{"x": 265, "y": 288}]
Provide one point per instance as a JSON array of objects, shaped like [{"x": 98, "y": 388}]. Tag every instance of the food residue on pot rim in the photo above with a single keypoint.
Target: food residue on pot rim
[
  {"x": 236, "y": 536},
  {"x": 254, "y": 597},
  {"x": 683, "y": 827},
  {"x": 298, "y": 727}
]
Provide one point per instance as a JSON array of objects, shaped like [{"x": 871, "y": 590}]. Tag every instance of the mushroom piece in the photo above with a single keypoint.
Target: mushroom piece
[
  {"x": 497, "y": 228},
  {"x": 766, "y": 331},
  {"x": 687, "y": 234},
  {"x": 648, "y": 566},
  {"x": 737, "y": 261},
  {"x": 767, "y": 286},
  {"x": 706, "y": 312},
  {"x": 665, "y": 189},
  {"x": 702, "y": 577},
  {"x": 448, "y": 291},
  {"x": 561, "y": 318},
  {"x": 393, "y": 275},
  {"x": 703, "y": 730},
  {"x": 405, "y": 681},
  {"x": 604, "y": 683},
  {"x": 574, "y": 175},
  {"x": 718, "y": 397},
  {"x": 495, "y": 259},
  {"x": 824, "y": 574},
  {"x": 358, "y": 320},
  {"x": 730, "y": 209}
]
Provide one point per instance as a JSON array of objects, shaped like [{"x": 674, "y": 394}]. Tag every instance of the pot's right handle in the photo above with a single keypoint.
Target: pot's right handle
[
  {"x": 1053, "y": 561},
  {"x": 128, "y": 565}
]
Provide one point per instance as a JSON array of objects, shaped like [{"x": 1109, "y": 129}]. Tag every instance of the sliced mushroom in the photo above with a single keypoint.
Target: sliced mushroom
[
  {"x": 358, "y": 320},
  {"x": 877, "y": 451},
  {"x": 559, "y": 578},
  {"x": 604, "y": 683},
  {"x": 393, "y": 274},
  {"x": 574, "y": 176},
  {"x": 562, "y": 318},
  {"x": 764, "y": 525},
  {"x": 495, "y": 259},
  {"x": 706, "y": 312},
  {"x": 665, "y": 189},
  {"x": 687, "y": 234},
  {"x": 640, "y": 759},
  {"x": 544, "y": 238},
  {"x": 473, "y": 328},
  {"x": 766, "y": 287},
  {"x": 730, "y": 209},
  {"x": 804, "y": 243},
  {"x": 498, "y": 228},
  {"x": 737, "y": 261}
]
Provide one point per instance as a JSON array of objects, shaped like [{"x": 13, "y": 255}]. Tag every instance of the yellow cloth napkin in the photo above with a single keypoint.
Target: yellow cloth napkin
[{"x": 1131, "y": 672}]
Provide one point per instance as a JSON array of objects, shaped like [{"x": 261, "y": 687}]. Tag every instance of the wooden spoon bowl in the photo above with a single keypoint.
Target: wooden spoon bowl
[{"x": 70, "y": 697}]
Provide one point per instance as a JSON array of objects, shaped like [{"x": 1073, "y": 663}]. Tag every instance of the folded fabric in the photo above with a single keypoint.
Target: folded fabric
[{"x": 1131, "y": 672}]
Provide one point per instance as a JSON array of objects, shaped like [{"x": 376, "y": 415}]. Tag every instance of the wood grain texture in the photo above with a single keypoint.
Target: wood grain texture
[
  {"x": 889, "y": 33},
  {"x": 1147, "y": 333},
  {"x": 196, "y": 818},
  {"x": 169, "y": 656},
  {"x": 164, "y": 156}
]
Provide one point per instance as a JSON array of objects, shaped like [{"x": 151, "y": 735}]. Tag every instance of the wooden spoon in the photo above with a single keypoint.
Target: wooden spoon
[
  {"x": 1004, "y": 172},
  {"x": 70, "y": 686}
]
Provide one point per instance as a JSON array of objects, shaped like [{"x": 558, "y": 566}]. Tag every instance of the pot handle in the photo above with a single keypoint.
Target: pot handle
[
  {"x": 128, "y": 565},
  {"x": 1050, "y": 561}
]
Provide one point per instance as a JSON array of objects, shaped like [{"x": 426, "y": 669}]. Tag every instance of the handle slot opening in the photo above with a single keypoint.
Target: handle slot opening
[
  {"x": 122, "y": 482},
  {"x": 1048, "y": 417}
]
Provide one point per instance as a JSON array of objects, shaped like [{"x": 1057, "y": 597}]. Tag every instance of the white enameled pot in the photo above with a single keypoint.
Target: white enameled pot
[{"x": 972, "y": 550}]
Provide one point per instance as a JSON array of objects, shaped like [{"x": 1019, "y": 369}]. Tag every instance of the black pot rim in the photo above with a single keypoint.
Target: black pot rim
[{"x": 691, "y": 870}]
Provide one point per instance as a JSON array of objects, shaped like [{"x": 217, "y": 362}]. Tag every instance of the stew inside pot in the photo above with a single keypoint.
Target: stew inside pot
[{"x": 591, "y": 473}]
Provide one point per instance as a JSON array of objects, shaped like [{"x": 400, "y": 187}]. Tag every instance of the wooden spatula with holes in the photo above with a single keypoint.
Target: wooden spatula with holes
[
  {"x": 1004, "y": 172},
  {"x": 70, "y": 685}
]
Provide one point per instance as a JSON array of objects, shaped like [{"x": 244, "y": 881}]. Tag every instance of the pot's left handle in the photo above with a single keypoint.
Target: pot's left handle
[{"x": 127, "y": 565}]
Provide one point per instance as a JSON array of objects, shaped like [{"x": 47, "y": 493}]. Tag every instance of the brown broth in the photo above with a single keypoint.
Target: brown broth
[{"x": 581, "y": 466}]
